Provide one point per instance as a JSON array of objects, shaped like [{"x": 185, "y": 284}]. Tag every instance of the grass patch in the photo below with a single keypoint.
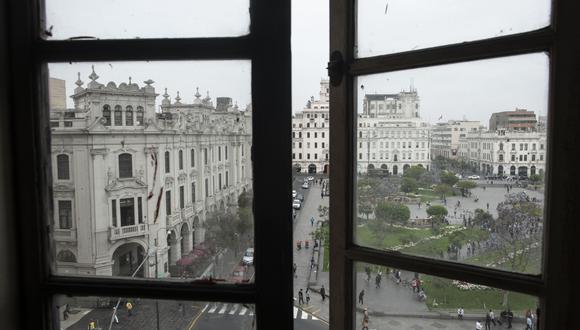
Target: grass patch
[
  {"x": 395, "y": 236},
  {"x": 448, "y": 296}
]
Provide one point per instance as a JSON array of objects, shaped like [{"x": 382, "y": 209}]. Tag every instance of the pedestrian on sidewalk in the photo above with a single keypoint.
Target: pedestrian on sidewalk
[
  {"x": 307, "y": 297},
  {"x": 300, "y": 297},
  {"x": 488, "y": 321},
  {"x": 129, "y": 307},
  {"x": 361, "y": 296},
  {"x": 312, "y": 262},
  {"x": 322, "y": 193},
  {"x": 414, "y": 284},
  {"x": 312, "y": 221},
  {"x": 492, "y": 317},
  {"x": 365, "y": 320},
  {"x": 460, "y": 313},
  {"x": 294, "y": 269},
  {"x": 368, "y": 271},
  {"x": 323, "y": 293},
  {"x": 510, "y": 317},
  {"x": 478, "y": 325},
  {"x": 378, "y": 280}
]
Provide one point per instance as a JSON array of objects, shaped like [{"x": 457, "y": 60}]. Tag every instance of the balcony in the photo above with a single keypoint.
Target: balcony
[
  {"x": 65, "y": 235},
  {"x": 187, "y": 212},
  {"x": 174, "y": 219},
  {"x": 127, "y": 231}
]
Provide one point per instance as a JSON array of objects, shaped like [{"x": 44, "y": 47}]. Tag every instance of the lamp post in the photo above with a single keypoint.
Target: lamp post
[{"x": 157, "y": 269}]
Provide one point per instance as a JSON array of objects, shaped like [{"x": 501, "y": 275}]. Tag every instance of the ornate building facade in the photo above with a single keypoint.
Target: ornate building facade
[
  {"x": 130, "y": 181},
  {"x": 445, "y": 137},
  {"x": 391, "y": 135}
]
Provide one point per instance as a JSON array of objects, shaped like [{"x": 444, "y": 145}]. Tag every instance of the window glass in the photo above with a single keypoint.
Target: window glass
[
  {"x": 435, "y": 23},
  {"x": 86, "y": 313},
  {"x": 389, "y": 298},
  {"x": 132, "y": 189},
  {"x": 112, "y": 19},
  {"x": 464, "y": 201}
]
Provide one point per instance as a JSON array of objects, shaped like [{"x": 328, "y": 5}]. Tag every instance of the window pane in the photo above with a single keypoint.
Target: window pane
[
  {"x": 403, "y": 25},
  {"x": 111, "y": 19},
  {"x": 439, "y": 169},
  {"x": 135, "y": 210},
  {"x": 400, "y": 299},
  {"x": 82, "y": 313}
]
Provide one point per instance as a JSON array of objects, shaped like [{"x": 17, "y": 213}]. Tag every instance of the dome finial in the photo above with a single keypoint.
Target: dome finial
[
  {"x": 197, "y": 95},
  {"x": 129, "y": 80},
  {"x": 166, "y": 95},
  {"x": 177, "y": 98},
  {"x": 79, "y": 82},
  {"x": 93, "y": 75}
]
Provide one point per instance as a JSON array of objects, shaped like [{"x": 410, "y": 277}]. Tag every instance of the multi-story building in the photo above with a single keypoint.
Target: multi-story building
[
  {"x": 310, "y": 134},
  {"x": 517, "y": 120},
  {"x": 130, "y": 181},
  {"x": 504, "y": 152},
  {"x": 391, "y": 135},
  {"x": 445, "y": 136}
]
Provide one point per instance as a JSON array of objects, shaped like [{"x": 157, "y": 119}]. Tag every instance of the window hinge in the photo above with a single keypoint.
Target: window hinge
[{"x": 335, "y": 68}]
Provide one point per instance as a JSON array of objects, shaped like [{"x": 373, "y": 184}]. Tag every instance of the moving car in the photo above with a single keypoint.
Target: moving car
[
  {"x": 248, "y": 258},
  {"x": 296, "y": 204},
  {"x": 473, "y": 177},
  {"x": 305, "y": 185},
  {"x": 239, "y": 274}
]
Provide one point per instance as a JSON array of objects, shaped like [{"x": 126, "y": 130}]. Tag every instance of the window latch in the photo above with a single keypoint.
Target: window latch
[{"x": 335, "y": 68}]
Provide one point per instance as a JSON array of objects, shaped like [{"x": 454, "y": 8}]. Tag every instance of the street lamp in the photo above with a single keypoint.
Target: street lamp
[{"x": 157, "y": 266}]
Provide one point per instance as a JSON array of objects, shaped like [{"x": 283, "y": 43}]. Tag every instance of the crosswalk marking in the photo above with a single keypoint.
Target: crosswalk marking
[
  {"x": 223, "y": 310},
  {"x": 234, "y": 309},
  {"x": 214, "y": 307},
  {"x": 304, "y": 315},
  {"x": 243, "y": 311},
  {"x": 295, "y": 312},
  {"x": 204, "y": 308},
  {"x": 314, "y": 318}
]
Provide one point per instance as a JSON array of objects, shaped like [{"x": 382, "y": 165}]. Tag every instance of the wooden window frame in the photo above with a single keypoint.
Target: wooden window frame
[
  {"x": 267, "y": 46},
  {"x": 560, "y": 266}
]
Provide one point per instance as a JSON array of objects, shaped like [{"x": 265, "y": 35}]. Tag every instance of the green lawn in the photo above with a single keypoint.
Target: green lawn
[
  {"x": 395, "y": 236},
  {"x": 448, "y": 296}
]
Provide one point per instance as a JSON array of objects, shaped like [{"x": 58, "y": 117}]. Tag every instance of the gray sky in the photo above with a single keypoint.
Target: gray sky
[{"x": 473, "y": 90}]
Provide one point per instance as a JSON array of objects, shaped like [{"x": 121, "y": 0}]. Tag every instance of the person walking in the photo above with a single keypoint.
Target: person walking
[
  {"x": 368, "y": 271},
  {"x": 129, "y": 307},
  {"x": 300, "y": 297},
  {"x": 492, "y": 317},
  {"x": 294, "y": 269},
  {"x": 323, "y": 293},
  {"x": 312, "y": 221},
  {"x": 488, "y": 321},
  {"x": 307, "y": 297},
  {"x": 478, "y": 325},
  {"x": 510, "y": 317},
  {"x": 361, "y": 296},
  {"x": 378, "y": 280},
  {"x": 460, "y": 313},
  {"x": 365, "y": 320}
]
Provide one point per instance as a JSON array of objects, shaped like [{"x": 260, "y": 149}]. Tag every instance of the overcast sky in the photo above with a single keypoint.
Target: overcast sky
[{"x": 471, "y": 90}]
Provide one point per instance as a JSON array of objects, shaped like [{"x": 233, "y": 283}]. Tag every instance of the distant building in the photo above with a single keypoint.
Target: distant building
[
  {"x": 503, "y": 152},
  {"x": 445, "y": 136},
  {"x": 310, "y": 137},
  {"x": 391, "y": 136},
  {"x": 129, "y": 181},
  {"x": 57, "y": 93},
  {"x": 517, "y": 120}
]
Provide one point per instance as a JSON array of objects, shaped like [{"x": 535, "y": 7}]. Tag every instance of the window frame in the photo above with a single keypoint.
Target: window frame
[
  {"x": 267, "y": 46},
  {"x": 559, "y": 266}
]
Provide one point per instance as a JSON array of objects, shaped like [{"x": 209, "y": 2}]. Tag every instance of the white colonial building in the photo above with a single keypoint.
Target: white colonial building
[
  {"x": 310, "y": 134},
  {"x": 445, "y": 136},
  {"x": 391, "y": 135},
  {"x": 504, "y": 152},
  {"x": 131, "y": 181}
]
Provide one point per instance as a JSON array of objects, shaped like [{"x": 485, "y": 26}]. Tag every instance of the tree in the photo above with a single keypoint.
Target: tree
[
  {"x": 245, "y": 200},
  {"x": 536, "y": 178},
  {"x": 437, "y": 214},
  {"x": 414, "y": 172},
  {"x": 388, "y": 213},
  {"x": 464, "y": 186},
  {"x": 365, "y": 207},
  {"x": 482, "y": 219},
  {"x": 443, "y": 190},
  {"x": 448, "y": 178},
  {"x": 408, "y": 184}
]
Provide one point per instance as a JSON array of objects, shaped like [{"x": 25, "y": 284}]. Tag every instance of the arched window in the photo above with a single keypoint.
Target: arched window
[
  {"x": 62, "y": 167},
  {"x": 107, "y": 114},
  {"x": 192, "y": 157},
  {"x": 129, "y": 116},
  {"x": 140, "y": 115},
  {"x": 181, "y": 159},
  {"x": 66, "y": 256},
  {"x": 125, "y": 165},
  {"x": 167, "y": 162},
  {"x": 118, "y": 116}
]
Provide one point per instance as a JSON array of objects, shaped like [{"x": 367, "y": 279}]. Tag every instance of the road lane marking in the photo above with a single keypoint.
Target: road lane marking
[
  {"x": 234, "y": 309},
  {"x": 211, "y": 310},
  {"x": 223, "y": 310},
  {"x": 194, "y": 321},
  {"x": 243, "y": 311}
]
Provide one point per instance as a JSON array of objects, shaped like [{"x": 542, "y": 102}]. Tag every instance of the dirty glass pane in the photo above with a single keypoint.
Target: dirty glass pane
[
  {"x": 112, "y": 19},
  {"x": 166, "y": 196},
  {"x": 385, "y": 27},
  {"x": 87, "y": 313},
  {"x": 388, "y": 298},
  {"x": 451, "y": 162}
]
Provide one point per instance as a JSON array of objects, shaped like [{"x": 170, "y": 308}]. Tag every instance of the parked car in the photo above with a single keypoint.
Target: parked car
[
  {"x": 238, "y": 274},
  {"x": 248, "y": 258},
  {"x": 296, "y": 204},
  {"x": 310, "y": 178},
  {"x": 473, "y": 177},
  {"x": 305, "y": 185},
  {"x": 294, "y": 193},
  {"x": 459, "y": 176}
]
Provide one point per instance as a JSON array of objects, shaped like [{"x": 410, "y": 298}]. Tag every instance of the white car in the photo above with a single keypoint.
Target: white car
[
  {"x": 474, "y": 177},
  {"x": 294, "y": 193},
  {"x": 459, "y": 176},
  {"x": 305, "y": 185},
  {"x": 310, "y": 178},
  {"x": 248, "y": 258},
  {"x": 296, "y": 204}
]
